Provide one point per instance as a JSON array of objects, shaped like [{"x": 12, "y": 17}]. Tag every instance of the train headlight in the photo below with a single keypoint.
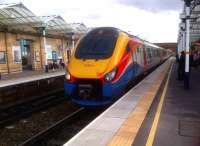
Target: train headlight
[
  {"x": 111, "y": 75},
  {"x": 67, "y": 75}
]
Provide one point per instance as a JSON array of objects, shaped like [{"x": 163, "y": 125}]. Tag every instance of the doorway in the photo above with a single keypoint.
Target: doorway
[{"x": 26, "y": 54}]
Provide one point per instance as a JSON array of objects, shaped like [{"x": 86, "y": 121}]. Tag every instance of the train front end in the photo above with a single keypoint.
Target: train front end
[{"x": 92, "y": 68}]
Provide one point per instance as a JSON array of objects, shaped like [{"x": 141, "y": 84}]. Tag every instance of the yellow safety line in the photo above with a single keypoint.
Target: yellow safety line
[{"x": 152, "y": 133}]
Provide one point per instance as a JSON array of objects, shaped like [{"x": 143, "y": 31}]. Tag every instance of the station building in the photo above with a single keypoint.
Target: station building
[{"x": 29, "y": 42}]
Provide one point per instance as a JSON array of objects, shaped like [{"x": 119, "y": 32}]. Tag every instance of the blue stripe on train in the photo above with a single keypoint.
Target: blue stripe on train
[{"x": 70, "y": 88}]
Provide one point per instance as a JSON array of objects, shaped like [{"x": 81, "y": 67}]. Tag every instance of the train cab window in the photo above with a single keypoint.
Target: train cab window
[{"x": 97, "y": 44}]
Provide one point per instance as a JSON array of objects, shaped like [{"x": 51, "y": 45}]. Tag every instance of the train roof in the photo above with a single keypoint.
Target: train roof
[
  {"x": 111, "y": 28},
  {"x": 136, "y": 38}
]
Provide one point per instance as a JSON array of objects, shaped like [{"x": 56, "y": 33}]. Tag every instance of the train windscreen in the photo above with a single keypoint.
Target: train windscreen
[{"x": 97, "y": 44}]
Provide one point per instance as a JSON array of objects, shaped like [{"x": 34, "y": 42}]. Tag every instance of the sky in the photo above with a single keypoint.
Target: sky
[{"x": 152, "y": 20}]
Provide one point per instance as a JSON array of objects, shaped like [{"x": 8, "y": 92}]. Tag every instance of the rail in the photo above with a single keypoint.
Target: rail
[{"x": 47, "y": 132}]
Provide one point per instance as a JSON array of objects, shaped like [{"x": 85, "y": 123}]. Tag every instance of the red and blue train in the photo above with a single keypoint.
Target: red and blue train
[{"x": 104, "y": 62}]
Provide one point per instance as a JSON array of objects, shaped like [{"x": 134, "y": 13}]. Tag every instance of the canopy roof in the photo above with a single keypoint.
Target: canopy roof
[
  {"x": 19, "y": 18},
  {"x": 194, "y": 21}
]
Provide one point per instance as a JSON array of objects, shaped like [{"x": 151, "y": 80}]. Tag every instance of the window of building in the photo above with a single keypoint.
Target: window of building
[
  {"x": 2, "y": 57},
  {"x": 54, "y": 55},
  {"x": 16, "y": 52}
]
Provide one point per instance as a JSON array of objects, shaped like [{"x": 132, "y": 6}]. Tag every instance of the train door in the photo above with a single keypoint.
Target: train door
[
  {"x": 130, "y": 71},
  {"x": 137, "y": 61},
  {"x": 140, "y": 59},
  {"x": 141, "y": 56},
  {"x": 134, "y": 61},
  {"x": 147, "y": 55}
]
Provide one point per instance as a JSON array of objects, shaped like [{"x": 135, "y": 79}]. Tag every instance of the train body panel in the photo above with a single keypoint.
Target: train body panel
[{"x": 104, "y": 63}]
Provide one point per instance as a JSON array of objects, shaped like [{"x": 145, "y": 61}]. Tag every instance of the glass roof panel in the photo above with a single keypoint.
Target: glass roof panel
[{"x": 18, "y": 17}]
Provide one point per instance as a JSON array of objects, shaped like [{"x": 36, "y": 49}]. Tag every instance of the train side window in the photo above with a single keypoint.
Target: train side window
[
  {"x": 149, "y": 52},
  {"x": 138, "y": 50},
  {"x": 134, "y": 56},
  {"x": 154, "y": 52},
  {"x": 160, "y": 53}
]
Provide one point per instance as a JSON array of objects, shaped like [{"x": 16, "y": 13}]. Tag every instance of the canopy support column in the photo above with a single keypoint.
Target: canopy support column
[
  {"x": 187, "y": 48},
  {"x": 45, "y": 51}
]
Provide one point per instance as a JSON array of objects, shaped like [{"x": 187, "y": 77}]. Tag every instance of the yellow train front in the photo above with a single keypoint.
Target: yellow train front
[{"x": 103, "y": 63}]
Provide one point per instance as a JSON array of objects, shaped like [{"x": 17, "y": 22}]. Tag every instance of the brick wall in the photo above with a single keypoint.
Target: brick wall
[{"x": 171, "y": 46}]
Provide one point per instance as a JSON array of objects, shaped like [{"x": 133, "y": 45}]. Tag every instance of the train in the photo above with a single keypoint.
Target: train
[{"x": 104, "y": 62}]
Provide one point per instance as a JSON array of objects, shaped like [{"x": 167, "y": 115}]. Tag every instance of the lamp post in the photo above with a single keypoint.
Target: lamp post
[
  {"x": 44, "y": 25},
  {"x": 187, "y": 41}
]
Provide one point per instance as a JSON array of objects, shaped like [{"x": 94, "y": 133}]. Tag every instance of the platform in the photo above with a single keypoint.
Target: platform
[
  {"x": 120, "y": 123},
  {"x": 179, "y": 117},
  {"x": 28, "y": 76}
]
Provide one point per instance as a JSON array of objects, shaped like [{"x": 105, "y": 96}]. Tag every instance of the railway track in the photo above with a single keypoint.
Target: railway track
[
  {"x": 17, "y": 112},
  {"x": 63, "y": 130},
  {"x": 39, "y": 138}
]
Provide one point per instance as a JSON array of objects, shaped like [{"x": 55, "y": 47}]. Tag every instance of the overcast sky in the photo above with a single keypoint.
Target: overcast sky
[{"x": 153, "y": 20}]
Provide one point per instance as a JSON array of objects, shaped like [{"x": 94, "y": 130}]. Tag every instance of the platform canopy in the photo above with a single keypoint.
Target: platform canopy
[
  {"x": 195, "y": 23},
  {"x": 79, "y": 28},
  {"x": 194, "y": 20},
  {"x": 18, "y": 18}
]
